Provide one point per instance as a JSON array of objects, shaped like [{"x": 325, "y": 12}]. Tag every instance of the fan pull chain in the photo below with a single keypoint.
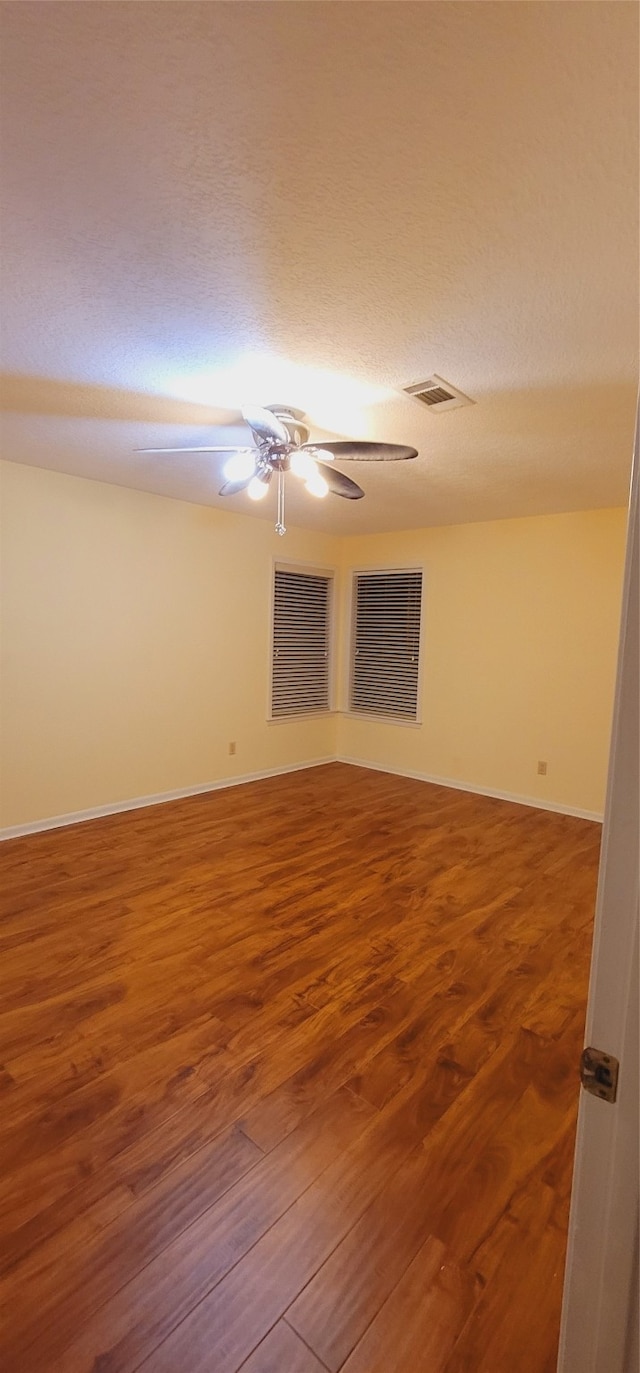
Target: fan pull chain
[{"x": 281, "y": 527}]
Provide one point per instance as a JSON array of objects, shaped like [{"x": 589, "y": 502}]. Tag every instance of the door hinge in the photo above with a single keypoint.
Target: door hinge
[{"x": 599, "y": 1073}]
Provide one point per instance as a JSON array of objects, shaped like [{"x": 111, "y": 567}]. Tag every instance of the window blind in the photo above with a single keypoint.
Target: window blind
[
  {"x": 386, "y": 643},
  {"x": 301, "y": 638}
]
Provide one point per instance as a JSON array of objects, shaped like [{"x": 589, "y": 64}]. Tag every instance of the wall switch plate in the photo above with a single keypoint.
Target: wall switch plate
[{"x": 542, "y": 769}]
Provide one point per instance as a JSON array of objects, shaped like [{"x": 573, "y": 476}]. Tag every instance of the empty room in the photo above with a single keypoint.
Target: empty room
[{"x": 318, "y": 743}]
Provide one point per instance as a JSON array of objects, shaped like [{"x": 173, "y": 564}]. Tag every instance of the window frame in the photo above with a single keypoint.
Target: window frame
[
  {"x": 371, "y": 570},
  {"x": 311, "y": 570}
]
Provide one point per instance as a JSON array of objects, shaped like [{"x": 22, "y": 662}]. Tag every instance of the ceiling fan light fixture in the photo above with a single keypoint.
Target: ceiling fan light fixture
[
  {"x": 239, "y": 467},
  {"x": 316, "y": 485},
  {"x": 303, "y": 465},
  {"x": 280, "y": 434},
  {"x": 257, "y": 489}
]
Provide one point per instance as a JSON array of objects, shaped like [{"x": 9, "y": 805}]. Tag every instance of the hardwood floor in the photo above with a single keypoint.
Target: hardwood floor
[{"x": 289, "y": 1081}]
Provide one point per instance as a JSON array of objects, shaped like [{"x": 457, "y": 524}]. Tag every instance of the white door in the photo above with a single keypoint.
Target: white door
[{"x": 600, "y": 1310}]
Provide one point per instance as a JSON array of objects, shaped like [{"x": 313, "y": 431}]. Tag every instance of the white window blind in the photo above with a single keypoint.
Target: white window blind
[
  {"x": 300, "y": 674},
  {"x": 386, "y": 643}
]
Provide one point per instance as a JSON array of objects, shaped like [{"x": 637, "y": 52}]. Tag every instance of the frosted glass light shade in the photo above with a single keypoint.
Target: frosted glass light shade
[
  {"x": 257, "y": 489},
  {"x": 302, "y": 465},
  {"x": 239, "y": 466},
  {"x": 316, "y": 485}
]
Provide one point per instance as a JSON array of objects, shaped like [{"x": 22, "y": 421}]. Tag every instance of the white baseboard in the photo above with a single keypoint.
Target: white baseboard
[
  {"x": 535, "y": 801},
  {"x": 159, "y": 799}
]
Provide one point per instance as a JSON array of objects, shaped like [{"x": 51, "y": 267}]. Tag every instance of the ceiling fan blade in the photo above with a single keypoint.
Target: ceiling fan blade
[
  {"x": 356, "y": 451},
  {"x": 204, "y": 449},
  {"x": 265, "y": 426},
  {"x": 232, "y": 488},
  {"x": 339, "y": 483},
  {"x": 317, "y": 451}
]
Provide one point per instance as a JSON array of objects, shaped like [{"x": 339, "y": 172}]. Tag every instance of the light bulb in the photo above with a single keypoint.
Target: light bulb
[
  {"x": 257, "y": 489},
  {"x": 302, "y": 465},
  {"x": 239, "y": 466},
  {"x": 316, "y": 485}
]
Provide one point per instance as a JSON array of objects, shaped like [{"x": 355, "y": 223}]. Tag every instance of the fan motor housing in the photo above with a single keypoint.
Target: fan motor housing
[{"x": 294, "y": 422}]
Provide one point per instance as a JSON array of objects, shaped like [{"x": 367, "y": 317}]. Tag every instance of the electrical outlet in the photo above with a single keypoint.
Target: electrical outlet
[
  {"x": 232, "y": 748},
  {"x": 542, "y": 769}
]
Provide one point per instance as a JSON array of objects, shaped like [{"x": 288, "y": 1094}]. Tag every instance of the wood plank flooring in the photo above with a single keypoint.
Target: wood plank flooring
[{"x": 288, "y": 1081}]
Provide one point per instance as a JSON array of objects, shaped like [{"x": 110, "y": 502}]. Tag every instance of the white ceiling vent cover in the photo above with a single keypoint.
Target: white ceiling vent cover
[{"x": 438, "y": 394}]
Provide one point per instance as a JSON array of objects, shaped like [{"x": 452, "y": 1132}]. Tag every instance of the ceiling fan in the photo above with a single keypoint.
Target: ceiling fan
[{"x": 281, "y": 446}]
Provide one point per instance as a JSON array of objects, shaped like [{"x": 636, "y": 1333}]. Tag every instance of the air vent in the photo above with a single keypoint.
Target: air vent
[{"x": 438, "y": 394}]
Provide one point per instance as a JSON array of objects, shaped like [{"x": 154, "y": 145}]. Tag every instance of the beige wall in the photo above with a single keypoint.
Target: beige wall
[
  {"x": 135, "y": 645},
  {"x": 519, "y": 654}
]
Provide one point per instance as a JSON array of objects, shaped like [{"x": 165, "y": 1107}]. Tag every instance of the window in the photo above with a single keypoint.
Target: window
[
  {"x": 385, "y": 642},
  {"x": 300, "y": 670}
]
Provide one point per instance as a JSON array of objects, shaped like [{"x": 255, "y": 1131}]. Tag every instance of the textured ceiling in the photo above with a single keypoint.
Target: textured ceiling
[{"x": 204, "y": 202}]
